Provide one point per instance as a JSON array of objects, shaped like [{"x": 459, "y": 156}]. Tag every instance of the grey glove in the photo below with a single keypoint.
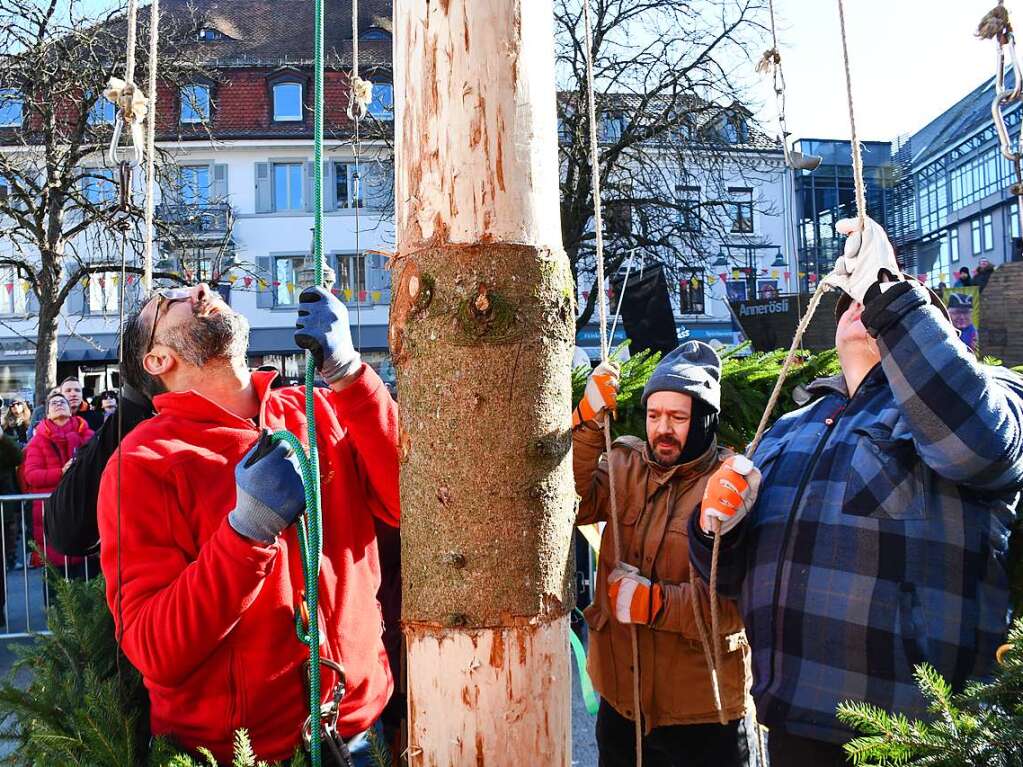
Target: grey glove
[{"x": 270, "y": 494}]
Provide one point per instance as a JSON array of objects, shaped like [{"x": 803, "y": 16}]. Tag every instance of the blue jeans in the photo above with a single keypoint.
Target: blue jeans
[{"x": 360, "y": 748}]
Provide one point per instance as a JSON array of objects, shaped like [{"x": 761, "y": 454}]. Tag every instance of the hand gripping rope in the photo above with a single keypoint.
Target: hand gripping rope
[
  {"x": 712, "y": 644},
  {"x": 310, "y": 526},
  {"x": 602, "y": 311}
]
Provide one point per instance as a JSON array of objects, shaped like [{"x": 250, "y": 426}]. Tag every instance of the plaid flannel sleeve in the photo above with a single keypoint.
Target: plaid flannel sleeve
[{"x": 966, "y": 417}]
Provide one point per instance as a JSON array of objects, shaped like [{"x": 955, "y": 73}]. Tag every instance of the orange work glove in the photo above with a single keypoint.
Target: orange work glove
[
  {"x": 730, "y": 494},
  {"x": 633, "y": 598},
  {"x": 601, "y": 394}
]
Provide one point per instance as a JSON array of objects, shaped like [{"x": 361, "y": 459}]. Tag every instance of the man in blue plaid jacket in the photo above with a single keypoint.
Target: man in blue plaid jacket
[{"x": 878, "y": 537}]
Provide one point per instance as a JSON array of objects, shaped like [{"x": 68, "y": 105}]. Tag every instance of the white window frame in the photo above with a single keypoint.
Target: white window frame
[
  {"x": 8, "y": 98},
  {"x": 102, "y": 295},
  {"x": 277, "y": 117},
  {"x": 354, "y": 262},
  {"x": 281, "y": 289},
  {"x": 14, "y": 302},
  {"x": 277, "y": 208},
  {"x": 377, "y": 106},
  {"x": 190, "y": 102}
]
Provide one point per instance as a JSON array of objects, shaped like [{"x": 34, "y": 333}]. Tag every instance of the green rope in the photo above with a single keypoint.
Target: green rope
[{"x": 310, "y": 539}]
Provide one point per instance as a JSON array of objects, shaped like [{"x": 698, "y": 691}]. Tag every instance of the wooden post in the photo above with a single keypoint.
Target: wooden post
[{"x": 481, "y": 335}]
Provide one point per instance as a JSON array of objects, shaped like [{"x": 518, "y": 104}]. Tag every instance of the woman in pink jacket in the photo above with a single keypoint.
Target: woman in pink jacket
[{"x": 47, "y": 456}]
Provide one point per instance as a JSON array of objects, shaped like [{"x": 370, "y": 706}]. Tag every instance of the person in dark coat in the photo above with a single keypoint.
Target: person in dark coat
[
  {"x": 16, "y": 421},
  {"x": 963, "y": 280},
  {"x": 70, "y": 511}
]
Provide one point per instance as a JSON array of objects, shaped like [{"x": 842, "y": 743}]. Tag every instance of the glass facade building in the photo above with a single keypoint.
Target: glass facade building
[{"x": 828, "y": 195}]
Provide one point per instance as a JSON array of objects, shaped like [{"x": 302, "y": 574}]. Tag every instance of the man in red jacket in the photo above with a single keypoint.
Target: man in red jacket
[{"x": 203, "y": 570}]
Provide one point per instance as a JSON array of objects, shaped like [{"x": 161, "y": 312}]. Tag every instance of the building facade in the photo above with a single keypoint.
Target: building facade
[{"x": 955, "y": 205}]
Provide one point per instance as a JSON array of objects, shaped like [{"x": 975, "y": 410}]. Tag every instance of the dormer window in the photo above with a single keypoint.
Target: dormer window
[
  {"x": 736, "y": 130},
  {"x": 210, "y": 34},
  {"x": 287, "y": 102}
]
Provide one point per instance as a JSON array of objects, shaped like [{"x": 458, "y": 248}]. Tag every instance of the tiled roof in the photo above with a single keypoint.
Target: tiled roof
[{"x": 275, "y": 32}]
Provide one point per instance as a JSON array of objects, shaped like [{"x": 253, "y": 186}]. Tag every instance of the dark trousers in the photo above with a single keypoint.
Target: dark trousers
[
  {"x": 689, "y": 745},
  {"x": 788, "y": 750}
]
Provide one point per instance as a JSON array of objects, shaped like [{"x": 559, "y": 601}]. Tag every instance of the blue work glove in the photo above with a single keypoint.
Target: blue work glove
[
  {"x": 270, "y": 491},
  {"x": 323, "y": 329}
]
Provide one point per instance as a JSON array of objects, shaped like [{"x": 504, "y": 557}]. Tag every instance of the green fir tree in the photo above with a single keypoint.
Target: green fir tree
[{"x": 983, "y": 725}]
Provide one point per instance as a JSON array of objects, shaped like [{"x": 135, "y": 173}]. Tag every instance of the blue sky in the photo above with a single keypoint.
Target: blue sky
[{"x": 911, "y": 60}]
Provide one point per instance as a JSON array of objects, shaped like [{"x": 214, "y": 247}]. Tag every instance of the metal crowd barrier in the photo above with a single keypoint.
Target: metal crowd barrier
[{"x": 26, "y": 588}]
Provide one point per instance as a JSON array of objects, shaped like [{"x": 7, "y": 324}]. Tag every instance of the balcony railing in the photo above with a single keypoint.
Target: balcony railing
[{"x": 212, "y": 220}]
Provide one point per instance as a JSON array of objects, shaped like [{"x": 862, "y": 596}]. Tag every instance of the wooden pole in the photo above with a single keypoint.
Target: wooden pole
[{"x": 481, "y": 335}]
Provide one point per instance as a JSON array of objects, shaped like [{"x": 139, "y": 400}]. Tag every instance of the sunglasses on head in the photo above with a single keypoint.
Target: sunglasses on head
[{"x": 165, "y": 296}]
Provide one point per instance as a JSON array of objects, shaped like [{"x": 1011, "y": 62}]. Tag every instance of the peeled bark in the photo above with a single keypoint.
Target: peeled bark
[{"x": 481, "y": 335}]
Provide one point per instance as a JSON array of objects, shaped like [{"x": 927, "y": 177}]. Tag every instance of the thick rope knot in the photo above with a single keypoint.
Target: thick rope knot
[
  {"x": 129, "y": 99},
  {"x": 769, "y": 62},
  {"x": 133, "y": 106},
  {"x": 362, "y": 95},
  {"x": 995, "y": 24}
]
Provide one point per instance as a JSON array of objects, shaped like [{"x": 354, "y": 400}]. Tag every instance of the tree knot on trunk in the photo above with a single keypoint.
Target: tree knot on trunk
[{"x": 487, "y": 317}]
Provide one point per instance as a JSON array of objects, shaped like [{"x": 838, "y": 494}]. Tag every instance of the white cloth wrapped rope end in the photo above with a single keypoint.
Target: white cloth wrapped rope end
[{"x": 132, "y": 106}]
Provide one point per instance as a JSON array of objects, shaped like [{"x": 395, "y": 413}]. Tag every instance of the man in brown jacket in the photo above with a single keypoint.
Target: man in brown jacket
[{"x": 658, "y": 485}]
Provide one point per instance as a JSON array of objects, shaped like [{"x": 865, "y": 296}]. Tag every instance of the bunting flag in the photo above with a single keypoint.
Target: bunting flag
[
  {"x": 130, "y": 279},
  {"x": 944, "y": 276},
  {"x": 712, "y": 280},
  {"x": 291, "y": 288},
  {"x": 10, "y": 287},
  {"x": 336, "y": 291},
  {"x": 695, "y": 282},
  {"x": 723, "y": 277},
  {"x": 788, "y": 275},
  {"x": 85, "y": 281},
  {"x": 115, "y": 279},
  {"x": 735, "y": 274},
  {"x": 586, "y": 295},
  {"x": 262, "y": 284},
  {"x": 348, "y": 294},
  {"x": 922, "y": 277},
  {"x": 232, "y": 279},
  {"x": 362, "y": 296},
  {"x": 248, "y": 282},
  {"x": 26, "y": 286},
  {"x": 102, "y": 282},
  {"x": 774, "y": 274},
  {"x": 377, "y": 295},
  {"x": 802, "y": 275}
]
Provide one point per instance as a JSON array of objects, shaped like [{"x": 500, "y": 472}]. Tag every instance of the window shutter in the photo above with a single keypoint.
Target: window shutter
[
  {"x": 307, "y": 192},
  {"x": 76, "y": 303},
  {"x": 264, "y": 200},
  {"x": 329, "y": 186},
  {"x": 31, "y": 303},
  {"x": 377, "y": 184},
  {"x": 264, "y": 271},
  {"x": 219, "y": 182},
  {"x": 171, "y": 188}
]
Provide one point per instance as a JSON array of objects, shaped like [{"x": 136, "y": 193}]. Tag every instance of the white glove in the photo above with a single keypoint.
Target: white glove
[
  {"x": 866, "y": 255},
  {"x": 730, "y": 494},
  {"x": 601, "y": 394}
]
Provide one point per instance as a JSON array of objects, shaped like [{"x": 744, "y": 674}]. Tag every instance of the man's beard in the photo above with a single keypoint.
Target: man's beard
[
  {"x": 667, "y": 441},
  {"x": 219, "y": 336}
]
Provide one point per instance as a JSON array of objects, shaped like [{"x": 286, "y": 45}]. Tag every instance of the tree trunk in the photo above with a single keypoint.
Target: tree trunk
[
  {"x": 46, "y": 348},
  {"x": 482, "y": 334}
]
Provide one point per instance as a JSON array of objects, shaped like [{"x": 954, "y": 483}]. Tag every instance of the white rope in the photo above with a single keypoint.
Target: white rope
[
  {"x": 357, "y": 111},
  {"x": 857, "y": 156},
  {"x": 147, "y": 256},
  {"x": 129, "y": 59},
  {"x": 598, "y": 223}
]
